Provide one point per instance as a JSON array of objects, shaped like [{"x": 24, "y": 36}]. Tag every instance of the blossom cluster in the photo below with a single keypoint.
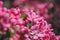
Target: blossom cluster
[{"x": 23, "y": 24}]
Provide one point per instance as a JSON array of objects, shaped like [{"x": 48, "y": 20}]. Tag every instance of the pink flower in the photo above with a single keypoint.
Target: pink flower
[
  {"x": 33, "y": 27},
  {"x": 1, "y": 3}
]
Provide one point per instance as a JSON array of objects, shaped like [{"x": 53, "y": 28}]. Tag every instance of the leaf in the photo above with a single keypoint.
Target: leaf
[
  {"x": 9, "y": 34},
  {"x": 30, "y": 24},
  {"x": 12, "y": 34},
  {"x": 23, "y": 16}
]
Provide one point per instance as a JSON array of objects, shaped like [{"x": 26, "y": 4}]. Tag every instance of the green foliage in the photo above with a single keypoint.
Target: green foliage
[
  {"x": 9, "y": 34},
  {"x": 23, "y": 16},
  {"x": 30, "y": 24}
]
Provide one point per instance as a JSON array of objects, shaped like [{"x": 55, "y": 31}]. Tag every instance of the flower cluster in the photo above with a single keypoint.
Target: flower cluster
[
  {"x": 22, "y": 24},
  {"x": 40, "y": 8}
]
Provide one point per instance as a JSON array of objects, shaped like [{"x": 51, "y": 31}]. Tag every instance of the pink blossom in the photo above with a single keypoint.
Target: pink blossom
[{"x": 33, "y": 27}]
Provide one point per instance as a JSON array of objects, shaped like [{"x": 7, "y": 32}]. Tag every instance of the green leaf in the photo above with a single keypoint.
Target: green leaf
[
  {"x": 30, "y": 24},
  {"x": 23, "y": 16},
  {"x": 8, "y": 33},
  {"x": 12, "y": 34}
]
